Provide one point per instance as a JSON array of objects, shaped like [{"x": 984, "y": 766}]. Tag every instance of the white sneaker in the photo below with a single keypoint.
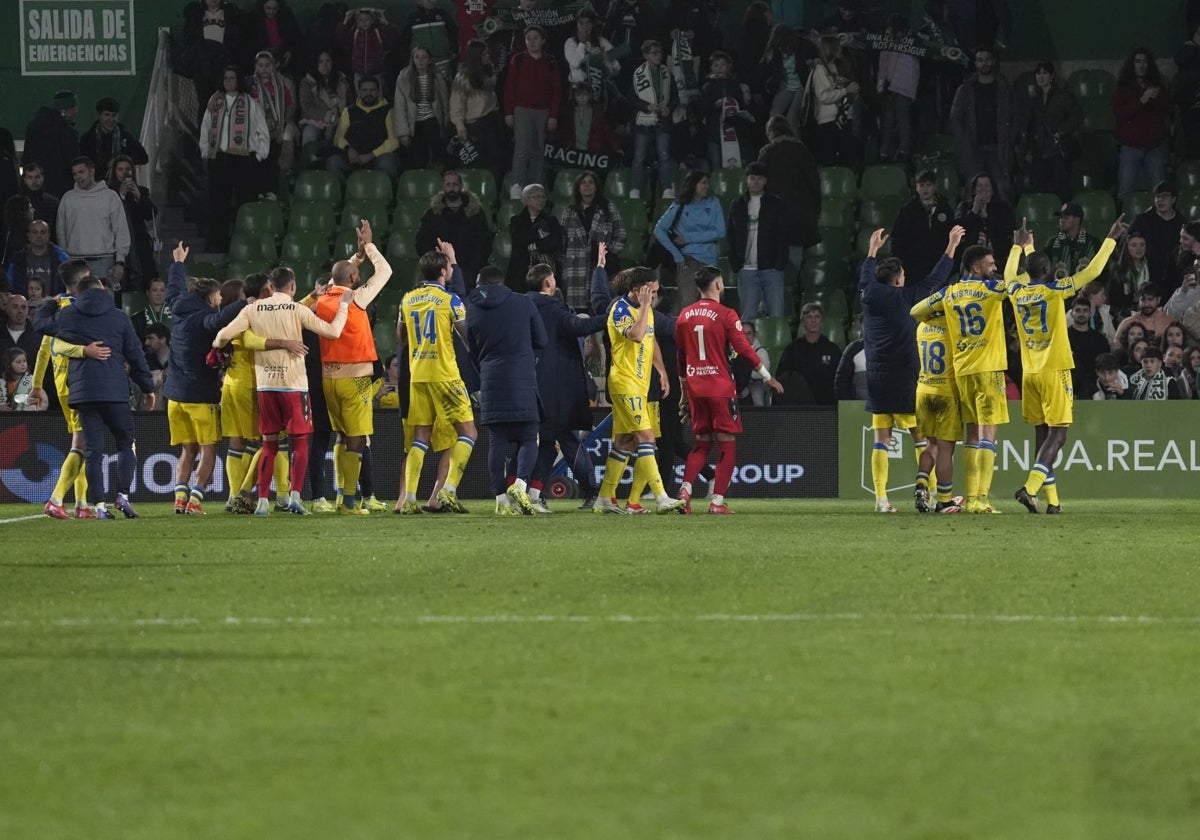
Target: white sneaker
[
  {"x": 669, "y": 505},
  {"x": 669, "y": 193},
  {"x": 514, "y": 191},
  {"x": 884, "y": 506},
  {"x": 635, "y": 194},
  {"x": 608, "y": 506},
  {"x": 540, "y": 506}
]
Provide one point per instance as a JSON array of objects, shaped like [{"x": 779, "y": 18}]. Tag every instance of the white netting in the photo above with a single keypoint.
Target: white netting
[{"x": 170, "y": 114}]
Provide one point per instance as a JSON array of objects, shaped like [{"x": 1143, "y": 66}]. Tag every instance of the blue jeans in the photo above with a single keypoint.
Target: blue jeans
[
  {"x": 1133, "y": 162},
  {"x": 118, "y": 419},
  {"x": 758, "y": 286},
  {"x": 643, "y": 137}
]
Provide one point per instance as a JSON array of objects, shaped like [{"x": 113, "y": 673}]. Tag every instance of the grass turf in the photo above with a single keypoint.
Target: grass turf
[{"x": 803, "y": 669}]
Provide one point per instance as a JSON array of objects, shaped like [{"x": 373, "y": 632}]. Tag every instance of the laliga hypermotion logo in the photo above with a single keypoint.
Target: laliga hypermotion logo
[{"x": 28, "y": 471}]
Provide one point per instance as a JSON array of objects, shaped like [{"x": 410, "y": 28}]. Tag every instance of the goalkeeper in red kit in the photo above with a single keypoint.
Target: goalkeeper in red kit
[{"x": 705, "y": 332}]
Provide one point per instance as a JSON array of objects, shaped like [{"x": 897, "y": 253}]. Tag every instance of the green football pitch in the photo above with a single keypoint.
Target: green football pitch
[{"x": 802, "y": 669}]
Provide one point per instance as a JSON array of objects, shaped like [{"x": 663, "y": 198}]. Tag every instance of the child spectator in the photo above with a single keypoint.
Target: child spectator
[
  {"x": 420, "y": 110},
  {"x": 18, "y": 382},
  {"x": 366, "y": 38},
  {"x": 277, "y": 96},
  {"x": 585, "y": 127}
]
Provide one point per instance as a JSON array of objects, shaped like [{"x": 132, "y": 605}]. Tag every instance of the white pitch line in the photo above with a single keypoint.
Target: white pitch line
[
  {"x": 714, "y": 618},
  {"x": 22, "y": 518}
]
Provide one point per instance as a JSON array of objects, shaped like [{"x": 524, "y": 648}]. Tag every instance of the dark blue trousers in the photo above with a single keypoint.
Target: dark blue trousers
[
  {"x": 117, "y": 419},
  {"x": 503, "y": 438}
]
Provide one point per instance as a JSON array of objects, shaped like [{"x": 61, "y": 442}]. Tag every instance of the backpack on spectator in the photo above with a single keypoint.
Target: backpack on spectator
[{"x": 658, "y": 257}]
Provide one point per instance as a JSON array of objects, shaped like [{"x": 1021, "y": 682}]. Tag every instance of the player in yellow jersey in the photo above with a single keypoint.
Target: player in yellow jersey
[
  {"x": 1039, "y": 303},
  {"x": 431, "y": 314},
  {"x": 938, "y": 412},
  {"x": 58, "y": 353},
  {"x": 974, "y": 310},
  {"x": 631, "y": 333}
]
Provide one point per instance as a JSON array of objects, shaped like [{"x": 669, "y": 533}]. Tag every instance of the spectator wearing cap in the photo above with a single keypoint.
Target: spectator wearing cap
[
  {"x": 1152, "y": 318},
  {"x": 920, "y": 231},
  {"x": 811, "y": 358},
  {"x": 1073, "y": 244},
  {"x": 1141, "y": 107},
  {"x": 52, "y": 141},
  {"x": 759, "y": 230},
  {"x": 107, "y": 138},
  {"x": 1054, "y": 117},
  {"x": 1160, "y": 226}
]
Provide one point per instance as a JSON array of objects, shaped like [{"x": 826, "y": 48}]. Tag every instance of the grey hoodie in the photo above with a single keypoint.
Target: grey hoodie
[{"x": 91, "y": 223}]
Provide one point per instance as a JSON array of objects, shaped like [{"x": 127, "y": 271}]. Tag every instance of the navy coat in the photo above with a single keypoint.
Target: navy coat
[
  {"x": 194, "y": 325},
  {"x": 504, "y": 329},
  {"x": 561, "y": 375},
  {"x": 94, "y": 317},
  {"x": 890, "y": 337}
]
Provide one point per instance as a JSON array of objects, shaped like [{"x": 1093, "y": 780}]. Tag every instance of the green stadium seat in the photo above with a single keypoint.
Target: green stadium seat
[
  {"x": 237, "y": 270},
  {"x": 345, "y": 245},
  {"x": 304, "y": 247},
  {"x": 253, "y": 247},
  {"x": 401, "y": 245},
  {"x": 419, "y": 183},
  {"x": 1137, "y": 202},
  {"x": 1097, "y": 115},
  {"x": 509, "y": 207},
  {"x": 307, "y": 272},
  {"x": 1037, "y": 207},
  {"x": 312, "y": 217},
  {"x": 1022, "y": 85},
  {"x": 385, "y": 337},
  {"x": 838, "y": 182},
  {"x": 835, "y": 213},
  {"x": 260, "y": 217},
  {"x": 863, "y": 243},
  {"x": 884, "y": 179},
  {"x": 616, "y": 183},
  {"x": 880, "y": 211},
  {"x": 369, "y": 185},
  {"x": 1043, "y": 232},
  {"x": 948, "y": 183},
  {"x": 408, "y": 214},
  {"x": 935, "y": 144},
  {"x": 773, "y": 332},
  {"x": 832, "y": 248},
  {"x": 318, "y": 185},
  {"x": 311, "y": 155},
  {"x": 391, "y": 294},
  {"x": 727, "y": 184},
  {"x": 822, "y": 275},
  {"x": 633, "y": 213},
  {"x": 134, "y": 302},
  {"x": 481, "y": 182},
  {"x": 1087, "y": 178},
  {"x": 1099, "y": 211},
  {"x": 404, "y": 275},
  {"x": 564, "y": 185},
  {"x": 1092, "y": 84},
  {"x": 1188, "y": 174},
  {"x": 205, "y": 269},
  {"x": 1188, "y": 204},
  {"x": 375, "y": 212},
  {"x": 502, "y": 247}
]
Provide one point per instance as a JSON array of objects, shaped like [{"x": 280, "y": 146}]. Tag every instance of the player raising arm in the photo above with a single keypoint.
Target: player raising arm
[{"x": 704, "y": 333}]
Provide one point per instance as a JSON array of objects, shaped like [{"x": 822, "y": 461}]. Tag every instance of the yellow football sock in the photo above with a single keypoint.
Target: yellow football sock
[
  {"x": 1051, "y": 488},
  {"x": 235, "y": 470},
  {"x": 252, "y": 457},
  {"x": 945, "y": 492},
  {"x": 879, "y": 469},
  {"x": 986, "y": 466},
  {"x": 72, "y": 468},
  {"x": 1037, "y": 477},
  {"x": 646, "y": 470},
  {"x": 614, "y": 469},
  {"x": 339, "y": 452},
  {"x": 460, "y": 453},
  {"x": 81, "y": 488},
  {"x": 282, "y": 465},
  {"x": 971, "y": 469},
  {"x": 919, "y": 447},
  {"x": 637, "y": 487},
  {"x": 412, "y": 469},
  {"x": 351, "y": 468}
]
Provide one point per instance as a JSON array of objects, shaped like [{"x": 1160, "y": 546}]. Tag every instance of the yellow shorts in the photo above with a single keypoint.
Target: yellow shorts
[
  {"x": 443, "y": 437},
  {"x": 239, "y": 412},
  {"x": 894, "y": 421},
  {"x": 74, "y": 424},
  {"x": 349, "y": 403},
  {"x": 632, "y": 413},
  {"x": 983, "y": 399},
  {"x": 430, "y": 400},
  {"x": 1048, "y": 397},
  {"x": 193, "y": 423},
  {"x": 938, "y": 415}
]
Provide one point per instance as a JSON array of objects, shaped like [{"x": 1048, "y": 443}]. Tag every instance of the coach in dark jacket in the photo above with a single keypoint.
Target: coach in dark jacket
[
  {"x": 889, "y": 332},
  {"x": 561, "y": 376},
  {"x": 504, "y": 330},
  {"x": 793, "y": 176},
  {"x": 195, "y": 321},
  {"x": 100, "y": 388}
]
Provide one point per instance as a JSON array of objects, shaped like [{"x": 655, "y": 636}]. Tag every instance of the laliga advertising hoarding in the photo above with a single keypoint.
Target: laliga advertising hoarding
[
  {"x": 76, "y": 38},
  {"x": 785, "y": 453},
  {"x": 1114, "y": 450}
]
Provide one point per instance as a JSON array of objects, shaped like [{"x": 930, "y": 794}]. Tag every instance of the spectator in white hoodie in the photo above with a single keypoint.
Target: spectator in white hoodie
[{"x": 92, "y": 225}]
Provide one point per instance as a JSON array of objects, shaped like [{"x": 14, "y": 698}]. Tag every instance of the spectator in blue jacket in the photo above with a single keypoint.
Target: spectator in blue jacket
[
  {"x": 690, "y": 231},
  {"x": 890, "y": 336},
  {"x": 504, "y": 331},
  {"x": 99, "y": 389},
  {"x": 562, "y": 379},
  {"x": 193, "y": 389}
]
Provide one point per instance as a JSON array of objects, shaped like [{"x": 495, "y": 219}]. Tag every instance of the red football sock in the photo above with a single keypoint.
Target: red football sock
[
  {"x": 696, "y": 460},
  {"x": 266, "y": 466},
  {"x": 300, "y": 447},
  {"x": 724, "y": 466}
]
